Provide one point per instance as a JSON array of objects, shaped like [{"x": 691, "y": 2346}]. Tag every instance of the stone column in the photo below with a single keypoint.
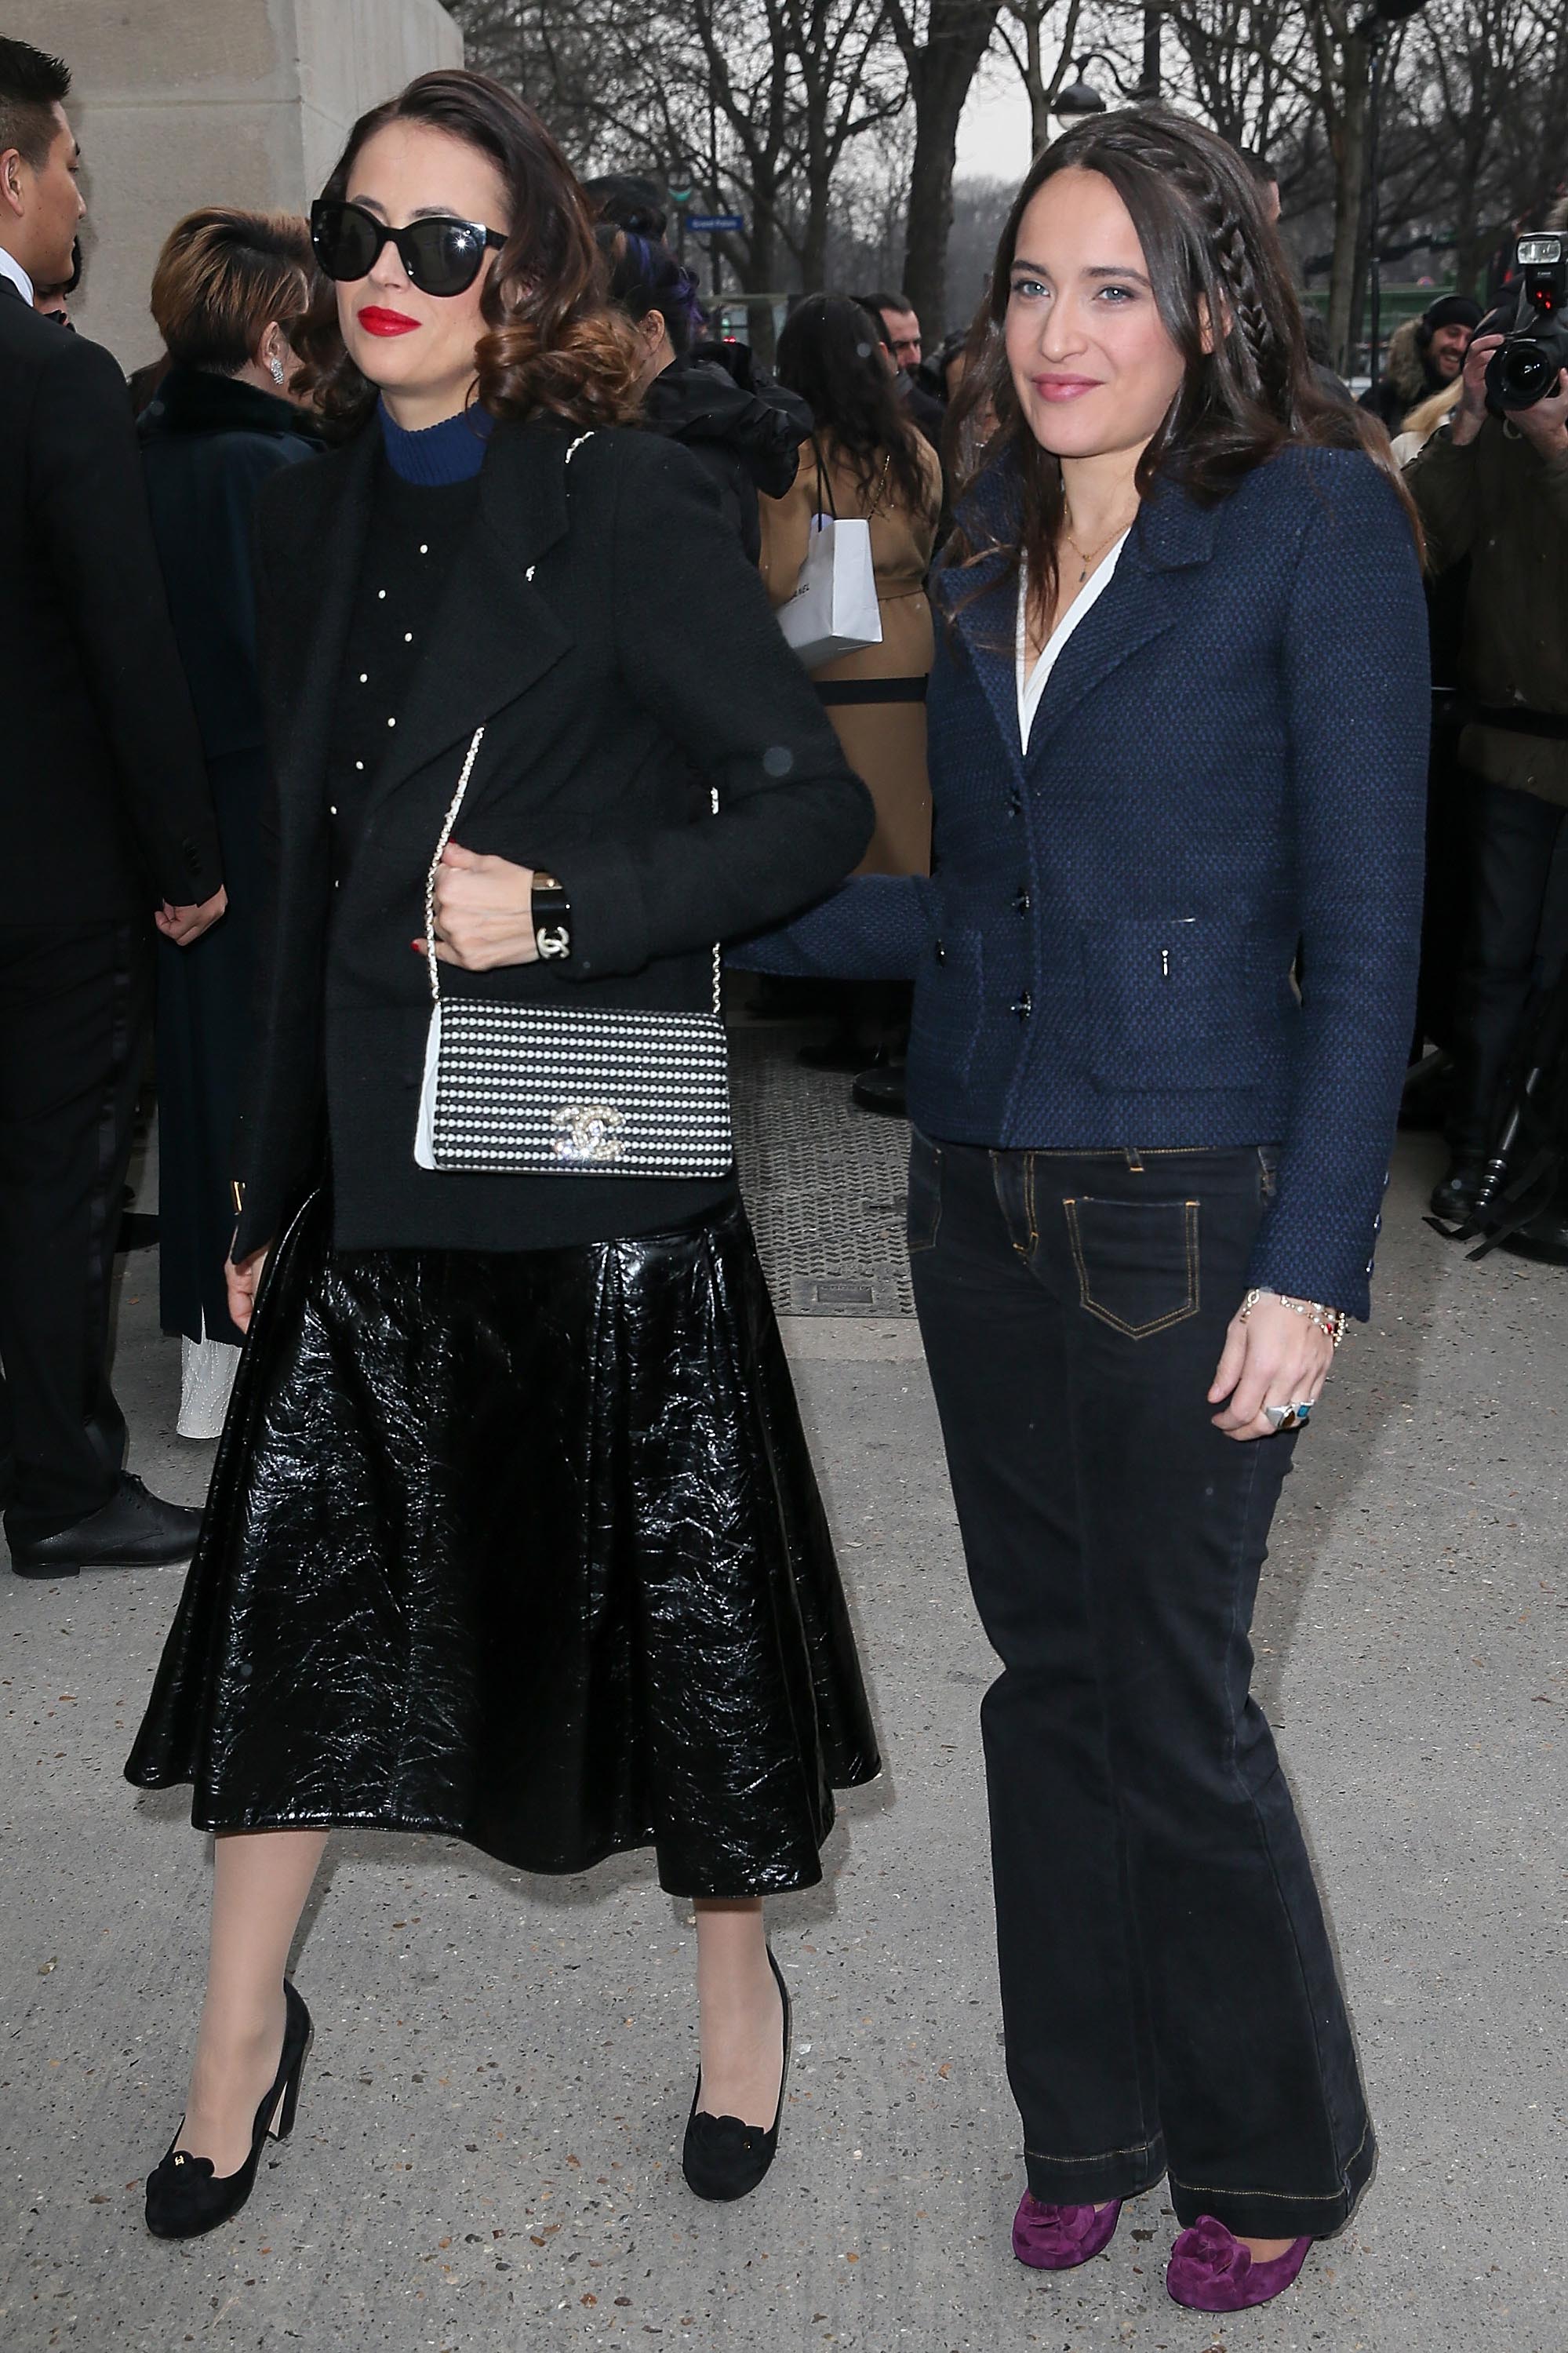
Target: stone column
[{"x": 186, "y": 102}]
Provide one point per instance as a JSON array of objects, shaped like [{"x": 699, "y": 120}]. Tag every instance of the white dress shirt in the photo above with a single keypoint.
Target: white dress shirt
[
  {"x": 1032, "y": 682},
  {"x": 12, "y": 269}
]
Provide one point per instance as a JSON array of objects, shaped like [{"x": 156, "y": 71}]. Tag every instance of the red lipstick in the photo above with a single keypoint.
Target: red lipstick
[
  {"x": 1065, "y": 387},
  {"x": 377, "y": 322}
]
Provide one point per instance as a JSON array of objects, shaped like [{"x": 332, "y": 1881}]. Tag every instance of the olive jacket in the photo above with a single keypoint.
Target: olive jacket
[{"x": 1504, "y": 504}]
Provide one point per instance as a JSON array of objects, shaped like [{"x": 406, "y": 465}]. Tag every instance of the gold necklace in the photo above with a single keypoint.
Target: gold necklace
[{"x": 1092, "y": 558}]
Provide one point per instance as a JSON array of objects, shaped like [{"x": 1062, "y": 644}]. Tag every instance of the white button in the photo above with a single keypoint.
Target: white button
[
  {"x": 359, "y": 763},
  {"x": 391, "y": 722},
  {"x": 424, "y": 548},
  {"x": 382, "y": 594},
  {"x": 408, "y": 637},
  {"x": 331, "y": 809},
  {"x": 364, "y": 676}
]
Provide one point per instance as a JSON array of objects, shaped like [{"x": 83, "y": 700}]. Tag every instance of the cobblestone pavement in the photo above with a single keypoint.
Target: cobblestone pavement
[{"x": 487, "y": 2155}]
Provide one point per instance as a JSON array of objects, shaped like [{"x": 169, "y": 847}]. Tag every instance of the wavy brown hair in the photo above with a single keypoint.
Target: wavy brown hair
[
  {"x": 553, "y": 346},
  {"x": 1212, "y": 255}
]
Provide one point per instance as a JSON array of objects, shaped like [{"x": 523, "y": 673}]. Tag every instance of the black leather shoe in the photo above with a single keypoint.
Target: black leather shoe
[
  {"x": 132, "y": 1530},
  {"x": 1456, "y": 1195},
  {"x": 184, "y": 2195},
  {"x": 884, "y": 1089},
  {"x": 724, "y": 2157},
  {"x": 1544, "y": 1237}
]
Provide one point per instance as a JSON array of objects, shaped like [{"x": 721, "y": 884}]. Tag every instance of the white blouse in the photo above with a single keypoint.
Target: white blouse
[{"x": 1031, "y": 684}]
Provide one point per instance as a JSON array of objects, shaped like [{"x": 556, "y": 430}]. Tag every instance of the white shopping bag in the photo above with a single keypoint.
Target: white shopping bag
[{"x": 833, "y": 610}]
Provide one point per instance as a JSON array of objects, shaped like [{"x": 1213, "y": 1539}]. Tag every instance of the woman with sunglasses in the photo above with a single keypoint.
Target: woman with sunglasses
[
  {"x": 1178, "y": 728},
  {"x": 513, "y": 1533}
]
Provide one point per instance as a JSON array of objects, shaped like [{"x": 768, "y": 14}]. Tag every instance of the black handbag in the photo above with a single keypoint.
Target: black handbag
[{"x": 555, "y": 1089}]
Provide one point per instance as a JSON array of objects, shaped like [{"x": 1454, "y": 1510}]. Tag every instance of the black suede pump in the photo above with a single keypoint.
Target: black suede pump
[
  {"x": 724, "y": 2157},
  {"x": 184, "y": 2195}
]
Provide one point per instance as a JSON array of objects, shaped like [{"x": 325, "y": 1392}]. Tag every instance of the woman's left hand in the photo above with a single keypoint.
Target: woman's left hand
[
  {"x": 1276, "y": 1358},
  {"x": 484, "y": 911}
]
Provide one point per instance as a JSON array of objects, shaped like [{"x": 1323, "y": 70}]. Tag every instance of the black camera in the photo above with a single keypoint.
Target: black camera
[{"x": 1535, "y": 347}]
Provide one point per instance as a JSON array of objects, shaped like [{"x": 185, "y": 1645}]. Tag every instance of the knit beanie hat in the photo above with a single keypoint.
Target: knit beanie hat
[{"x": 1451, "y": 310}]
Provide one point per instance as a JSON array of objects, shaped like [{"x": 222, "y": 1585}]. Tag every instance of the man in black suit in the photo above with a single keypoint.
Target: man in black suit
[{"x": 106, "y": 828}]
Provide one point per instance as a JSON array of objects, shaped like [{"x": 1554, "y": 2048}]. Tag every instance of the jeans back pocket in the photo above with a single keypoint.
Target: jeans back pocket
[{"x": 1137, "y": 1261}]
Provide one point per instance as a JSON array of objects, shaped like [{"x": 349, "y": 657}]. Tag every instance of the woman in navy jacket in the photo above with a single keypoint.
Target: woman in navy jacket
[{"x": 1178, "y": 728}]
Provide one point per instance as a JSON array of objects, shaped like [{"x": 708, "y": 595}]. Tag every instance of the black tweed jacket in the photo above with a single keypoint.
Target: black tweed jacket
[{"x": 605, "y": 627}]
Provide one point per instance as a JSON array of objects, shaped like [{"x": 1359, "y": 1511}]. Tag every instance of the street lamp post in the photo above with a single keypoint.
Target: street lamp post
[
  {"x": 1080, "y": 97},
  {"x": 1148, "y": 90},
  {"x": 678, "y": 181},
  {"x": 1374, "y": 28}
]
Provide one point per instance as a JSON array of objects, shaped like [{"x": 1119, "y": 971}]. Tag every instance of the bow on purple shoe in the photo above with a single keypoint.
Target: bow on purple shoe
[
  {"x": 1059, "y": 2238},
  {"x": 1212, "y": 2271}
]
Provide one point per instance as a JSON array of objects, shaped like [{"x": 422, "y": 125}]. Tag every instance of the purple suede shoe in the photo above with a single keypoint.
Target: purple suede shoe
[
  {"x": 1058, "y": 2238},
  {"x": 1211, "y": 2271}
]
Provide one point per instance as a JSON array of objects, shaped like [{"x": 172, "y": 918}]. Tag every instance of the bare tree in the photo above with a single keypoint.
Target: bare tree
[
  {"x": 821, "y": 121},
  {"x": 1244, "y": 64},
  {"x": 941, "y": 44},
  {"x": 753, "y": 103},
  {"x": 1480, "y": 133},
  {"x": 849, "y": 84},
  {"x": 1042, "y": 58}
]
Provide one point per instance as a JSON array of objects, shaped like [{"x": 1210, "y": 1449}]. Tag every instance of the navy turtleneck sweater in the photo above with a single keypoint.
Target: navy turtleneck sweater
[
  {"x": 425, "y": 495},
  {"x": 451, "y": 451}
]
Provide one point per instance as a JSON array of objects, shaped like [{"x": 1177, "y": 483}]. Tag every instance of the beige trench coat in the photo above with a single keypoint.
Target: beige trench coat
[{"x": 884, "y": 742}]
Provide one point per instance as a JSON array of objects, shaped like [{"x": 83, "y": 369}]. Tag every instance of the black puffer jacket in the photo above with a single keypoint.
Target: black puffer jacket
[{"x": 746, "y": 439}]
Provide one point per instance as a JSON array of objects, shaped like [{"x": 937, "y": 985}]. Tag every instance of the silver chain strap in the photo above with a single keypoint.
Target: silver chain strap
[{"x": 446, "y": 835}]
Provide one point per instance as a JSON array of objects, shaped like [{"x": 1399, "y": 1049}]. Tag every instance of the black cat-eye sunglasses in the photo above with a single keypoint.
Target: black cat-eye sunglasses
[{"x": 441, "y": 256}]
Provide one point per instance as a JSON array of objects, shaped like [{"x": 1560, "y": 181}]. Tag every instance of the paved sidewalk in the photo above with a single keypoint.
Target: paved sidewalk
[{"x": 487, "y": 2155}]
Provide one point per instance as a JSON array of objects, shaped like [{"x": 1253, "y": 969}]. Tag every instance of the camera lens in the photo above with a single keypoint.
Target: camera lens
[{"x": 1527, "y": 374}]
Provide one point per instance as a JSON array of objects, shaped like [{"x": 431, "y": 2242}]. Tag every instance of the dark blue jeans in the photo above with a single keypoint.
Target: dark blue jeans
[{"x": 1168, "y": 1992}]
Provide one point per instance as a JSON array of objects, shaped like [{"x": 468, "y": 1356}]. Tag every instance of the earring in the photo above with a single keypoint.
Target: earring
[{"x": 276, "y": 364}]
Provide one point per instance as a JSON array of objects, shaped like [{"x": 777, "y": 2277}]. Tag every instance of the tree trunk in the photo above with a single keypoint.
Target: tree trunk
[
  {"x": 759, "y": 271},
  {"x": 1349, "y": 146},
  {"x": 941, "y": 72},
  {"x": 1042, "y": 87},
  {"x": 1034, "y": 83}
]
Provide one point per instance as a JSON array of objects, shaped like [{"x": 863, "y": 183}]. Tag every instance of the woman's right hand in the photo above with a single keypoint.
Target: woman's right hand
[{"x": 241, "y": 1276}]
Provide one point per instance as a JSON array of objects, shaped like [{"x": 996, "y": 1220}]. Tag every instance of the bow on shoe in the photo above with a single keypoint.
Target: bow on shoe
[
  {"x": 1058, "y": 2238},
  {"x": 178, "y": 2193},
  {"x": 1068, "y": 2223},
  {"x": 722, "y": 2136},
  {"x": 1208, "y": 2246}
]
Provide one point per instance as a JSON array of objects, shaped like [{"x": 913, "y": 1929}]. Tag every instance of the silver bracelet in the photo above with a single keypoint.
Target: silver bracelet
[{"x": 1331, "y": 1321}]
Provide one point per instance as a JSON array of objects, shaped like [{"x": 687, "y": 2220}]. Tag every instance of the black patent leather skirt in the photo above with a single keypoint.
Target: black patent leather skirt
[{"x": 525, "y": 1549}]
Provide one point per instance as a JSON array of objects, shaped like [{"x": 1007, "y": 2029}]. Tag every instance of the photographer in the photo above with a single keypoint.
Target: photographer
[
  {"x": 1493, "y": 486},
  {"x": 1424, "y": 355}
]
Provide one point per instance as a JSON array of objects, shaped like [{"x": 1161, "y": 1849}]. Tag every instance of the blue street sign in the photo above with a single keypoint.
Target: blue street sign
[{"x": 717, "y": 224}]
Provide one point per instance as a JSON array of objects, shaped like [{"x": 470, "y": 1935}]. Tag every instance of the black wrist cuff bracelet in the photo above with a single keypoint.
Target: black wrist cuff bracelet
[{"x": 552, "y": 913}]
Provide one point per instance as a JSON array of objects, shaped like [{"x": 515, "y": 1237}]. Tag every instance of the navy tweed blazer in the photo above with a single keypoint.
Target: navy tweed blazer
[{"x": 1229, "y": 763}]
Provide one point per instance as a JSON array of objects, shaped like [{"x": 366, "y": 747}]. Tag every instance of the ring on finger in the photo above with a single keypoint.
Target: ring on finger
[{"x": 1294, "y": 1416}]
